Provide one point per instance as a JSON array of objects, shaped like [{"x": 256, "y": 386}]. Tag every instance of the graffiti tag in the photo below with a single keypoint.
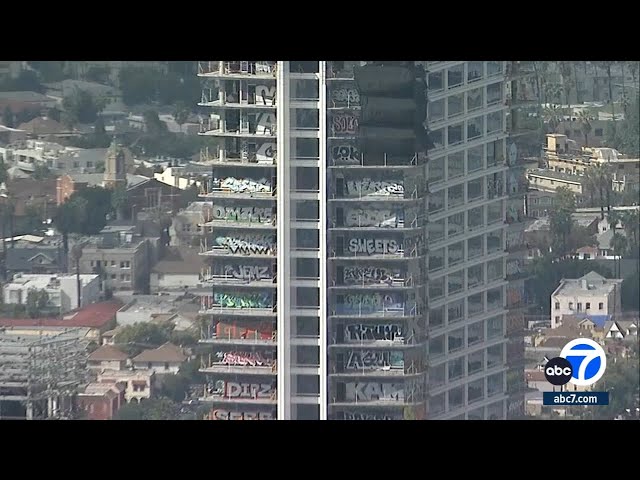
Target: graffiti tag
[
  {"x": 374, "y": 360},
  {"x": 371, "y": 246},
  {"x": 236, "y": 415},
  {"x": 367, "y": 392},
  {"x": 345, "y": 154},
  {"x": 361, "y": 331},
  {"x": 360, "y": 217},
  {"x": 248, "y": 300},
  {"x": 243, "y": 214},
  {"x": 244, "y": 185},
  {"x": 249, "y": 244},
  {"x": 246, "y": 272},
  {"x": 369, "y": 187},
  {"x": 345, "y": 124},
  {"x": 245, "y": 359},
  {"x": 249, "y": 330},
  {"x": 370, "y": 275}
]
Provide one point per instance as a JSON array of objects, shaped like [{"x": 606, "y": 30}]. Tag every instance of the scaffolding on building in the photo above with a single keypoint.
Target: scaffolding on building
[{"x": 42, "y": 370}]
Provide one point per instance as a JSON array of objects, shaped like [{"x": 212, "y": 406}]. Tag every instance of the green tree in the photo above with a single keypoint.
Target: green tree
[
  {"x": 561, "y": 221},
  {"x": 98, "y": 126},
  {"x": 100, "y": 168},
  {"x": 82, "y": 107},
  {"x": 140, "y": 336},
  {"x": 622, "y": 382},
  {"x": 599, "y": 178},
  {"x": 3, "y": 171},
  {"x": 32, "y": 219},
  {"x": 27, "y": 81},
  {"x": 97, "y": 73},
  {"x": 50, "y": 71},
  {"x": 175, "y": 387},
  {"x": 41, "y": 172},
  {"x": 37, "y": 301},
  {"x": 629, "y": 293},
  {"x": 552, "y": 117},
  {"x": 7, "y": 117},
  {"x": 631, "y": 221},
  {"x": 626, "y": 136},
  {"x": 160, "y": 408},
  {"x": 153, "y": 123},
  {"x": 585, "y": 125},
  {"x": 119, "y": 201},
  {"x": 69, "y": 217},
  {"x": 181, "y": 113}
]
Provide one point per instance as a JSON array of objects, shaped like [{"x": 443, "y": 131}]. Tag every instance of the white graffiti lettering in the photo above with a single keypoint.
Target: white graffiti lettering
[
  {"x": 265, "y": 95},
  {"x": 371, "y": 246},
  {"x": 360, "y": 331},
  {"x": 345, "y": 155},
  {"x": 249, "y": 244},
  {"x": 370, "y": 275},
  {"x": 236, "y": 415},
  {"x": 374, "y": 188},
  {"x": 345, "y": 124},
  {"x": 245, "y": 359},
  {"x": 348, "y": 96},
  {"x": 248, "y": 390},
  {"x": 372, "y": 302},
  {"x": 243, "y": 214},
  {"x": 368, "y": 392},
  {"x": 360, "y": 217},
  {"x": 246, "y": 272},
  {"x": 236, "y": 185},
  {"x": 374, "y": 360}
]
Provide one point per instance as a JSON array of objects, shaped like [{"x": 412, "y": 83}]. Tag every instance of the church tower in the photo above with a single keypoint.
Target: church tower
[{"x": 114, "y": 167}]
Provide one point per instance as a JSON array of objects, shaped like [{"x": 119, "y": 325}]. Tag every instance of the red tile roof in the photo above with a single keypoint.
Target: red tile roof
[{"x": 96, "y": 315}]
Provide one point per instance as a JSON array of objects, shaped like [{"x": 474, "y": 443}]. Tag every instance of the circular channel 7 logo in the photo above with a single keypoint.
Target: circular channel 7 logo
[
  {"x": 588, "y": 361},
  {"x": 582, "y": 362}
]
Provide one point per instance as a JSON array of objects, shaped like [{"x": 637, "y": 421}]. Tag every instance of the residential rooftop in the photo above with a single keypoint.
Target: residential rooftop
[
  {"x": 96, "y": 315},
  {"x": 553, "y": 175},
  {"x": 41, "y": 281},
  {"x": 165, "y": 353},
  {"x": 592, "y": 282}
]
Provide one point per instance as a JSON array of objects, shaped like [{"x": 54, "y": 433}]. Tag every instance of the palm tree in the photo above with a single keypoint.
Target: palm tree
[
  {"x": 607, "y": 68},
  {"x": 567, "y": 81},
  {"x": 553, "y": 91},
  {"x": 619, "y": 245},
  {"x": 591, "y": 185},
  {"x": 601, "y": 178},
  {"x": 585, "y": 125},
  {"x": 551, "y": 116},
  {"x": 631, "y": 222}
]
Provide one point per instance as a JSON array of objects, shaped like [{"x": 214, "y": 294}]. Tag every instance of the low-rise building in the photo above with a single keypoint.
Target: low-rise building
[
  {"x": 550, "y": 181},
  {"x": 139, "y": 384},
  {"x": 40, "y": 256},
  {"x": 107, "y": 357},
  {"x": 186, "y": 226},
  {"x": 61, "y": 289},
  {"x": 97, "y": 318},
  {"x": 122, "y": 257},
  {"x": 180, "y": 269},
  {"x": 101, "y": 401},
  {"x": 165, "y": 359},
  {"x": 144, "y": 308},
  {"x": 591, "y": 294}
]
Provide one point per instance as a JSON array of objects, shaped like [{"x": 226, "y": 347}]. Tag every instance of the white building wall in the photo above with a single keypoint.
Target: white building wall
[{"x": 173, "y": 281}]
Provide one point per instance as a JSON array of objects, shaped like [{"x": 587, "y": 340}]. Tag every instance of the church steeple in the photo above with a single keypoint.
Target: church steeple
[{"x": 114, "y": 166}]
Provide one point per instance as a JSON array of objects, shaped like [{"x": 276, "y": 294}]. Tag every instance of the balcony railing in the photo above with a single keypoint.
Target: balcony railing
[
  {"x": 248, "y": 68},
  {"x": 388, "y": 161}
]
